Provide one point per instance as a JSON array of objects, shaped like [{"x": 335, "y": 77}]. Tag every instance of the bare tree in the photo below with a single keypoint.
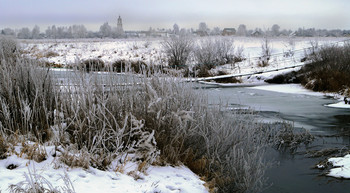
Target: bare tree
[{"x": 266, "y": 50}]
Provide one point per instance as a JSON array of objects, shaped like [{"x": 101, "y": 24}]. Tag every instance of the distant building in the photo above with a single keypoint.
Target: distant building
[
  {"x": 229, "y": 31},
  {"x": 256, "y": 33},
  {"x": 120, "y": 30}
]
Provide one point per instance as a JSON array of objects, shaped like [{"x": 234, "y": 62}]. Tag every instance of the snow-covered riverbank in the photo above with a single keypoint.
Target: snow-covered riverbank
[{"x": 53, "y": 174}]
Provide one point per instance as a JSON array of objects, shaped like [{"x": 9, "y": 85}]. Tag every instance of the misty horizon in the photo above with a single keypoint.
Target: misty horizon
[{"x": 141, "y": 15}]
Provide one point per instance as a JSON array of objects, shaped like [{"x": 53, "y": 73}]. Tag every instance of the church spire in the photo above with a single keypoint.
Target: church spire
[{"x": 120, "y": 30}]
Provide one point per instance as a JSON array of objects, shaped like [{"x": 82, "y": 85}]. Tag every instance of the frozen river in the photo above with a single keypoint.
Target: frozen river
[{"x": 295, "y": 172}]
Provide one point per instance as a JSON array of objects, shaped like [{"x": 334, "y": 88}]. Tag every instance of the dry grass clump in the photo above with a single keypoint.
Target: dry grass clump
[
  {"x": 126, "y": 66},
  {"x": 284, "y": 136},
  {"x": 34, "y": 152},
  {"x": 35, "y": 183},
  {"x": 27, "y": 98},
  {"x": 329, "y": 70},
  {"x": 51, "y": 54},
  {"x": 3, "y": 148},
  {"x": 92, "y": 65},
  {"x": 9, "y": 49}
]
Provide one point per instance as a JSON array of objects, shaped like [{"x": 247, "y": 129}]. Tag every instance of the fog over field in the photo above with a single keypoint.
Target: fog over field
[{"x": 141, "y": 14}]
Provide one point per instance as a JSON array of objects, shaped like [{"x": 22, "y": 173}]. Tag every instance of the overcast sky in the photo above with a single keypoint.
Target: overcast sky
[{"x": 142, "y": 14}]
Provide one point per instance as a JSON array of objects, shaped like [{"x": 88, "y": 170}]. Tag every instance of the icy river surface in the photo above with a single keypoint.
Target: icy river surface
[{"x": 295, "y": 172}]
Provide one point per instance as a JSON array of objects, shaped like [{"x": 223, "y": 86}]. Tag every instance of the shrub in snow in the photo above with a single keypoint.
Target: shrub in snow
[
  {"x": 177, "y": 50},
  {"x": 211, "y": 52},
  {"x": 3, "y": 147},
  {"x": 266, "y": 51},
  {"x": 329, "y": 69},
  {"x": 92, "y": 65},
  {"x": 126, "y": 66},
  {"x": 50, "y": 54}
]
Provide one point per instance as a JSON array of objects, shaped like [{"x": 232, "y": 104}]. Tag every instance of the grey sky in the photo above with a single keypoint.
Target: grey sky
[{"x": 141, "y": 14}]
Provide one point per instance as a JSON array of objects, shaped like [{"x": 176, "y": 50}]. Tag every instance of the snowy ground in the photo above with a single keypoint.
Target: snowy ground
[{"x": 165, "y": 179}]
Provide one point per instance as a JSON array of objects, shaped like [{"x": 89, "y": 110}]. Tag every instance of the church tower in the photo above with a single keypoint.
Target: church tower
[{"x": 120, "y": 30}]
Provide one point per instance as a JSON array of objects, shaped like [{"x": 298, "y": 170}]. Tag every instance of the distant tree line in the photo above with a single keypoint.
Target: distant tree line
[{"x": 107, "y": 31}]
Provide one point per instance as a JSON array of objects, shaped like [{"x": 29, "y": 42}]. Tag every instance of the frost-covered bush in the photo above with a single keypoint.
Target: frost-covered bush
[
  {"x": 329, "y": 69},
  {"x": 212, "y": 52},
  {"x": 177, "y": 50},
  {"x": 8, "y": 49}
]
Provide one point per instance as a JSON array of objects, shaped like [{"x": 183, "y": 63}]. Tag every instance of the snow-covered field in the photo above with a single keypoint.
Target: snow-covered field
[
  {"x": 286, "y": 52},
  {"x": 148, "y": 50},
  {"x": 17, "y": 170}
]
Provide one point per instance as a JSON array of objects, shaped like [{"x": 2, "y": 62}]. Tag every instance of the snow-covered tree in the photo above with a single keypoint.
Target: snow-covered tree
[
  {"x": 216, "y": 31},
  {"x": 105, "y": 30},
  {"x": 242, "y": 30},
  {"x": 24, "y": 33},
  {"x": 79, "y": 31},
  {"x": 275, "y": 30},
  {"x": 203, "y": 27},
  {"x": 176, "y": 29},
  {"x": 36, "y": 32},
  {"x": 8, "y": 31}
]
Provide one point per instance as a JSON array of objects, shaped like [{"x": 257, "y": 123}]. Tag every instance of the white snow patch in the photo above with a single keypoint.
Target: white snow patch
[
  {"x": 157, "y": 179},
  {"x": 288, "y": 88},
  {"x": 342, "y": 165},
  {"x": 340, "y": 104}
]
